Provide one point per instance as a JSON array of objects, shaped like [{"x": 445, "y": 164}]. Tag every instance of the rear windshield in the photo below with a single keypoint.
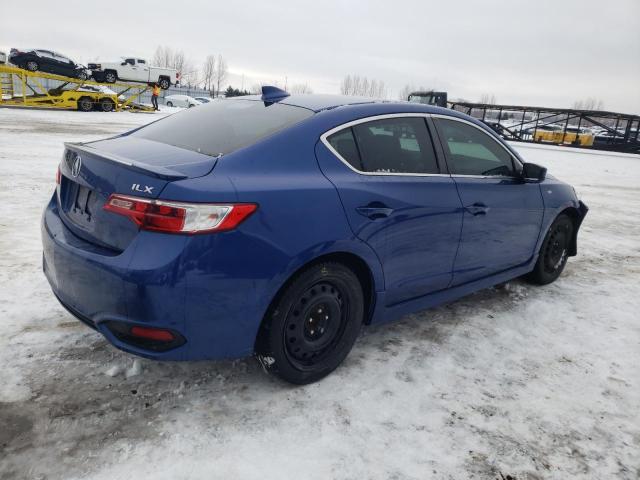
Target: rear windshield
[{"x": 222, "y": 126}]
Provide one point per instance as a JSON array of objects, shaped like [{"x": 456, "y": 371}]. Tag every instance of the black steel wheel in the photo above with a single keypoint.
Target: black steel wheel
[
  {"x": 85, "y": 104},
  {"x": 107, "y": 105},
  {"x": 314, "y": 324},
  {"x": 32, "y": 66},
  {"x": 554, "y": 251}
]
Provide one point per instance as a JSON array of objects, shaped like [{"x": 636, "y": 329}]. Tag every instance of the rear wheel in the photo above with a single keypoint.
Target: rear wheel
[
  {"x": 553, "y": 252},
  {"x": 164, "y": 83},
  {"x": 107, "y": 105},
  {"x": 314, "y": 324},
  {"x": 32, "y": 66},
  {"x": 82, "y": 75},
  {"x": 169, "y": 103},
  {"x": 110, "y": 76},
  {"x": 85, "y": 104}
]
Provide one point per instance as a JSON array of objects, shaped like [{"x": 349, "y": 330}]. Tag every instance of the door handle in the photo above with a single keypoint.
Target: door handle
[
  {"x": 477, "y": 209},
  {"x": 375, "y": 212}
]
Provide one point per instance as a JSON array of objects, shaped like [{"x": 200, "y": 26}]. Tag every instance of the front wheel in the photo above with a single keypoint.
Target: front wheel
[
  {"x": 554, "y": 252},
  {"x": 169, "y": 104},
  {"x": 32, "y": 66},
  {"x": 314, "y": 324},
  {"x": 82, "y": 75}
]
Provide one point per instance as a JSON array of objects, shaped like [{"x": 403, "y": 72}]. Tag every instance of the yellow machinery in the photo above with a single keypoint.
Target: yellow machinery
[
  {"x": 559, "y": 136},
  {"x": 22, "y": 88}
]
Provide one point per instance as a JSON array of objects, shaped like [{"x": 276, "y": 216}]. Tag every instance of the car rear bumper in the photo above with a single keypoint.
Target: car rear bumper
[{"x": 158, "y": 281}]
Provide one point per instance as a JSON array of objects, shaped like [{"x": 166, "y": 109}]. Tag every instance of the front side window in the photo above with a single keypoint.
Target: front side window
[
  {"x": 470, "y": 151},
  {"x": 130, "y": 61},
  {"x": 222, "y": 127},
  {"x": 393, "y": 145}
]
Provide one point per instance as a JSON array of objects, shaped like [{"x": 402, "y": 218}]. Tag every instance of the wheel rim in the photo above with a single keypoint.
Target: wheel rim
[
  {"x": 32, "y": 66},
  {"x": 315, "y": 324},
  {"x": 555, "y": 254},
  {"x": 107, "y": 106},
  {"x": 110, "y": 77},
  {"x": 85, "y": 105},
  {"x": 164, "y": 84}
]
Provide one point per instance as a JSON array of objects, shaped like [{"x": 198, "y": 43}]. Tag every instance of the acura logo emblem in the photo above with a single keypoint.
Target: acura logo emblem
[{"x": 76, "y": 166}]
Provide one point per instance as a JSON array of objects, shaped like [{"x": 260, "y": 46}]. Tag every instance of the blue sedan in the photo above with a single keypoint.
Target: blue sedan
[{"x": 278, "y": 225}]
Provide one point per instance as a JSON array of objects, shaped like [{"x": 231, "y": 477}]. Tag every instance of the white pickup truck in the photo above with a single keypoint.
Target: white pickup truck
[{"x": 130, "y": 69}]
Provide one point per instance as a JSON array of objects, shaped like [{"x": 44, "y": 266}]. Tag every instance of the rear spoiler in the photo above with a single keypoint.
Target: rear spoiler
[{"x": 154, "y": 170}]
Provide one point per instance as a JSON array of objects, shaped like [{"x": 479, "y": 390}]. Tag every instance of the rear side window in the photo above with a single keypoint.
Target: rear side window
[
  {"x": 394, "y": 145},
  {"x": 224, "y": 126},
  {"x": 470, "y": 151}
]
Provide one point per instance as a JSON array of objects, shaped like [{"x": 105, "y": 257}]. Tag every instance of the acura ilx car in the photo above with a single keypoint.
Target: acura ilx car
[{"x": 279, "y": 225}]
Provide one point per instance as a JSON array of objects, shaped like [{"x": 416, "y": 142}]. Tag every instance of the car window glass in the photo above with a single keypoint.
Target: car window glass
[
  {"x": 224, "y": 126},
  {"x": 470, "y": 151},
  {"x": 395, "y": 145},
  {"x": 344, "y": 143},
  {"x": 130, "y": 61},
  {"x": 141, "y": 61}
]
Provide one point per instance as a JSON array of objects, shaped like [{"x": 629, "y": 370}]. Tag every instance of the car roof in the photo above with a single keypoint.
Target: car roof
[{"x": 320, "y": 102}]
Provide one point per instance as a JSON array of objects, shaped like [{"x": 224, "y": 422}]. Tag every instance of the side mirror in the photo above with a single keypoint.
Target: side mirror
[{"x": 533, "y": 173}]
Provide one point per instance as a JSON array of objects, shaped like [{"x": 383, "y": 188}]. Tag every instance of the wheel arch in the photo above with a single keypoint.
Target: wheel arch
[
  {"x": 355, "y": 262},
  {"x": 576, "y": 217}
]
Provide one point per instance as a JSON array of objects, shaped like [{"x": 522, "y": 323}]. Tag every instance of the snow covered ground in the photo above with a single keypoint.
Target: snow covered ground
[{"x": 522, "y": 382}]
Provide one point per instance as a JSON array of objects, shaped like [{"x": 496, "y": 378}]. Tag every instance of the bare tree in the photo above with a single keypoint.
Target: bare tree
[
  {"x": 488, "y": 99},
  {"x": 362, "y": 86},
  {"x": 301, "y": 88},
  {"x": 220, "y": 73},
  {"x": 208, "y": 69},
  {"x": 590, "y": 103}
]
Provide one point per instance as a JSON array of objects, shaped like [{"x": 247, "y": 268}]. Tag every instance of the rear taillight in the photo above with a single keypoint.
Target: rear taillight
[
  {"x": 157, "y": 334},
  {"x": 58, "y": 174},
  {"x": 179, "y": 217}
]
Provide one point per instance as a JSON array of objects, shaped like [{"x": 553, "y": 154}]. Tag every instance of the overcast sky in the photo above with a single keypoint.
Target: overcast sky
[{"x": 543, "y": 53}]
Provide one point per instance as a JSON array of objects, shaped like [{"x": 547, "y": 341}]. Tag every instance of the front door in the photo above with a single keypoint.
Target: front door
[
  {"x": 397, "y": 200},
  {"x": 502, "y": 214}
]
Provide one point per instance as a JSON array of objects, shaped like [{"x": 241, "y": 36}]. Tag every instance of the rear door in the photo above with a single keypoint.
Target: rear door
[
  {"x": 502, "y": 214},
  {"x": 397, "y": 199}
]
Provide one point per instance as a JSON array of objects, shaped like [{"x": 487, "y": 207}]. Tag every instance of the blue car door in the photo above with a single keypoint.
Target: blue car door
[
  {"x": 397, "y": 199},
  {"x": 502, "y": 214}
]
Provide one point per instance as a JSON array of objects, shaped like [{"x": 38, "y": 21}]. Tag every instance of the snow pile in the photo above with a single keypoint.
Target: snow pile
[{"x": 531, "y": 382}]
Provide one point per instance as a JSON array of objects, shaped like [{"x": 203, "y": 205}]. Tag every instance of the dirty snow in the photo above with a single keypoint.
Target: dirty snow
[{"x": 531, "y": 382}]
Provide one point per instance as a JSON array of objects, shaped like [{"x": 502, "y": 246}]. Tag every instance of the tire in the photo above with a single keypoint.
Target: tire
[
  {"x": 553, "y": 252},
  {"x": 169, "y": 103},
  {"x": 313, "y": 324},
  {"x": 164, "y": 83},
  {"x": 32, "y": 66},
  {"x": 107, "y": 105},
  {"x": 110, "y": 76},
  {"x": 85, "y": 104},
  {"x": 82, "y": 75}
]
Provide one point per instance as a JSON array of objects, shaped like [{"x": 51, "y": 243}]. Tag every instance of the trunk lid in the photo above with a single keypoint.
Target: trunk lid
[{"x": 91, "y": 172}]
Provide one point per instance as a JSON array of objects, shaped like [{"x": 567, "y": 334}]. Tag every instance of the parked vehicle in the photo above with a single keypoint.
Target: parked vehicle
[
  {"x": 47, "y": 61},
  {"x": 181, "y": 101},
  {"x": 3, "y": 57},
  {"x": 133, "y": 70},
  {"x": 279, "y": 225},
  {"x": 204, "y": 99}
]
